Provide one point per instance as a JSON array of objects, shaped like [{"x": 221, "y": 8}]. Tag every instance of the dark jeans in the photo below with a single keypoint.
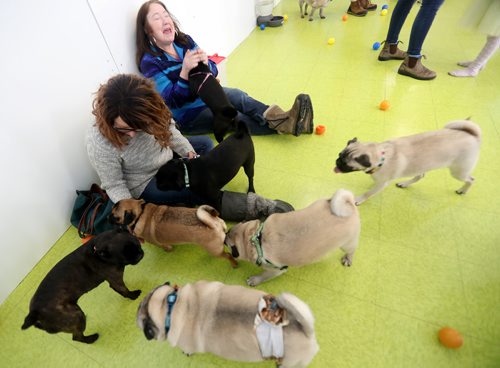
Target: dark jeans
[
  {"x": 421, "y": 25},
  {"x": 151, "y": 194},
  {"x": 250, "y": 111}
]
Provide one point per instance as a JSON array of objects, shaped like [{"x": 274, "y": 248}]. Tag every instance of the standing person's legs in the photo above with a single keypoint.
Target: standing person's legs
[
  {"x": 390, "y": 50},
  {"x": 398, "y": 18},
  {"x": 472, "y": 68},
  {"x": 412, "y": 65},
  {"x": 421, "y": 25}
]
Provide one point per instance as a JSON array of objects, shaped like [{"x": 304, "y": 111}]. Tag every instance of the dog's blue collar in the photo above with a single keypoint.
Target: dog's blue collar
[
  {"x": 186, "y": 174},
  {"x": 171, "y": 299},
  {"x": 256, "y": 241}
]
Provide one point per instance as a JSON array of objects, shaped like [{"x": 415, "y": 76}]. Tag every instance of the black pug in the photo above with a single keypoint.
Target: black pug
[
  {"x": 54, "y": 306},
  {"x": 203, "y": 84},
  {"x": 207, "y": 174}
]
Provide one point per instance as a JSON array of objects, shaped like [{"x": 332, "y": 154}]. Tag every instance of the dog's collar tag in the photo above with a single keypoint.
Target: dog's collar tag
[
  {"x": 186, "y": 175},
  {"x": 171, "y": 299},
  {"x": 379, "y": 165}
]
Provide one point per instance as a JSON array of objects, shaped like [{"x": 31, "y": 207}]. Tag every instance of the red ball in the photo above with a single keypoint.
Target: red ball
[{"x": 320, "y": 129}]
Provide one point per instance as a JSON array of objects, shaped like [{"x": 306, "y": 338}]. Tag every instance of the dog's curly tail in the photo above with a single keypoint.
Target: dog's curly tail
[
  {"x": 299, "y": 310},
  {"x": 29, "y": 320},
  {"x": 342, "y": 203},
  {"x": 210, "y": 217},
  {"x": 465, "y": 126}
]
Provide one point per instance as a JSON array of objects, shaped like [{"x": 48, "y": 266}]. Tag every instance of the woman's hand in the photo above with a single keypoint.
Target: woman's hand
[
  {"x": 191, "y": 60},
  {"x": 192, "y": 155}
]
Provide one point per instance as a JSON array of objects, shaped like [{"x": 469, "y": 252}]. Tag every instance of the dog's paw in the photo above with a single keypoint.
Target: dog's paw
[
  {"x": 134, "y": 294},
  {"x": 401, "y": 185},
  {"x": 346, "y": 261},
  {"x": 460, "y": 192},
  {"x": 253, "y": 281},
  {"x": 168, "y": 248}
]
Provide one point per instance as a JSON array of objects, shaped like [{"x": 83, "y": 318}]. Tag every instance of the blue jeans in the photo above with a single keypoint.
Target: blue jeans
[
  {"x": 151, "y": 194},
  {"x": 250, "y": 111},
  {"x": 421, "y": 25}
]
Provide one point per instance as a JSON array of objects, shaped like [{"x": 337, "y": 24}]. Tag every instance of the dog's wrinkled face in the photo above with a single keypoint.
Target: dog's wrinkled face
[
  {"x": 117, "y": 247},
  {"x": 171, "y": 175},
  {"x": 152, "y": 311},
  {"x": 126, "y": 211},
  {"x": 352, "y": 158}
]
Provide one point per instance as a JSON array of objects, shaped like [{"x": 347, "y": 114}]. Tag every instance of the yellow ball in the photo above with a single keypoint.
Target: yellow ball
[
  {"x": 331, "y": 41},
  {"x": 285, "y": 17},
  {"x": 383, "y": 12}
]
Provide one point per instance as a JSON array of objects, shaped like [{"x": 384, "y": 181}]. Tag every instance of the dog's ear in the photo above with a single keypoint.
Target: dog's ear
[
  {"x": 363, "y": 160},
  {"x": 354, "y": 140},
  {"x": 102, "y": 251}
]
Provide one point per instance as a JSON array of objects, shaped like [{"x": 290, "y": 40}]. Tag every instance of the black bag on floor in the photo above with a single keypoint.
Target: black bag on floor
[{"x": 91, "y": 210}]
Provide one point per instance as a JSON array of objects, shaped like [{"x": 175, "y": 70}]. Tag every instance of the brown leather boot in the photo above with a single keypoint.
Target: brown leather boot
[
  {"x": 368, "y": 5},
  {"x": 412, "y": 67},
  {"x": 299, "y": 119},
  {"x": 391, "y": 52},
  {"x": 356, "y": 9}
]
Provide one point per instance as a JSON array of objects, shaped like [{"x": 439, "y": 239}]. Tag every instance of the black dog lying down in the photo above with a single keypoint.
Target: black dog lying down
[
  {"x": 203, "y": 84},
  {"x": 207, "y": 175},
  {"x": 54, "y": 306}
]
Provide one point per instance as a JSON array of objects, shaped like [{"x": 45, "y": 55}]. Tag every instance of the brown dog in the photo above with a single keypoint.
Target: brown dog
[
  {"x": 164, "y": 225},
  {"x": 54, "y": 306}
]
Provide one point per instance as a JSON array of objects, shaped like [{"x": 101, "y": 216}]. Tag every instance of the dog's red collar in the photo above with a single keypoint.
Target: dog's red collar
[{"x": 379, "y": 165}]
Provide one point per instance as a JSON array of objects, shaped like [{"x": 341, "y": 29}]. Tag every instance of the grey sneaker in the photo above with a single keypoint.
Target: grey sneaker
[
  {"x": 419, "y": 71},
  {"x": 385, "y": 53}
]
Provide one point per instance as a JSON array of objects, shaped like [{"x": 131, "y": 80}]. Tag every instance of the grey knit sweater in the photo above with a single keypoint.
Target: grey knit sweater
[{"x": 125, "y": 173}]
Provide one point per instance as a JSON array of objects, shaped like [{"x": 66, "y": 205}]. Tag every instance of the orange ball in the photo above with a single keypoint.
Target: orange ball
[
  {"x": 320, "y": 129},
  {"x": 344, "y": 18},
  {"x": 384, "y": 105},
  {"x": 450, "y": 338}
]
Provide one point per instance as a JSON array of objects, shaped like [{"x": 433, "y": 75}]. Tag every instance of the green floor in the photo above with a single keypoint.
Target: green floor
[{"x": 427, "y": 258}]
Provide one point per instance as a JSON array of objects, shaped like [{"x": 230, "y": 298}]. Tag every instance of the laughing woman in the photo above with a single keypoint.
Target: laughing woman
[{"x": 167, "y": 55}]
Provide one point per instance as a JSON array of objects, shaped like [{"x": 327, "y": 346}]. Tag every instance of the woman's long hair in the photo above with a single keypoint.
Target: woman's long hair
[
  {"x": 145, "y": 44},
  {"x": 136, "y": 101}
]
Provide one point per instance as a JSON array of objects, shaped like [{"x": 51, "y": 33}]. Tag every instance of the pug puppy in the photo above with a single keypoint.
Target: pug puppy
[
  {"x": 164, "y": 225},
  {"x": 456, "y": 147},
  {"x": 221, "y": 319},
  {"x": 54, "y": 306},
  {"x": 299, "y": 237},
  {"x": 314, "y": 4}
]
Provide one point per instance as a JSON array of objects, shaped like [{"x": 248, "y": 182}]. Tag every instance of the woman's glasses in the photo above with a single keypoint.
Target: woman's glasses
[{"x": 127, "y": 130}]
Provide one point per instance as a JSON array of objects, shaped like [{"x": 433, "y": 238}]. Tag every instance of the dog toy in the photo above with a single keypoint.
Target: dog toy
[
  {"x": 262, "y": 27},
  {"x": 450, "y": 338},
  {"x": 285, "y": 17},
  {"x": 344, "y": 18},
  {"x": 384, "y": 105},
  {"x": 331, "y": 41},
  {"x": 383, "y": 12},
  {"x": 320, "y": 129},
  {"x": 385, "y": 6},
  {"x": 376, "y": 45}
]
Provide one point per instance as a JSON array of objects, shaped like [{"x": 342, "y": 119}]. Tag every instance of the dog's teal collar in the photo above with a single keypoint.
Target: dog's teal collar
[
  {"x": 171, "y": 299},
  {"x": 379, "y": 165},
  {"x": 256, "y": 241},
  {"x": 186, "y": 175}
]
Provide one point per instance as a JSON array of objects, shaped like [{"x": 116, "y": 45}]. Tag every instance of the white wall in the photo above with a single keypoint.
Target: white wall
[{"x": 55, "y": 54}]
